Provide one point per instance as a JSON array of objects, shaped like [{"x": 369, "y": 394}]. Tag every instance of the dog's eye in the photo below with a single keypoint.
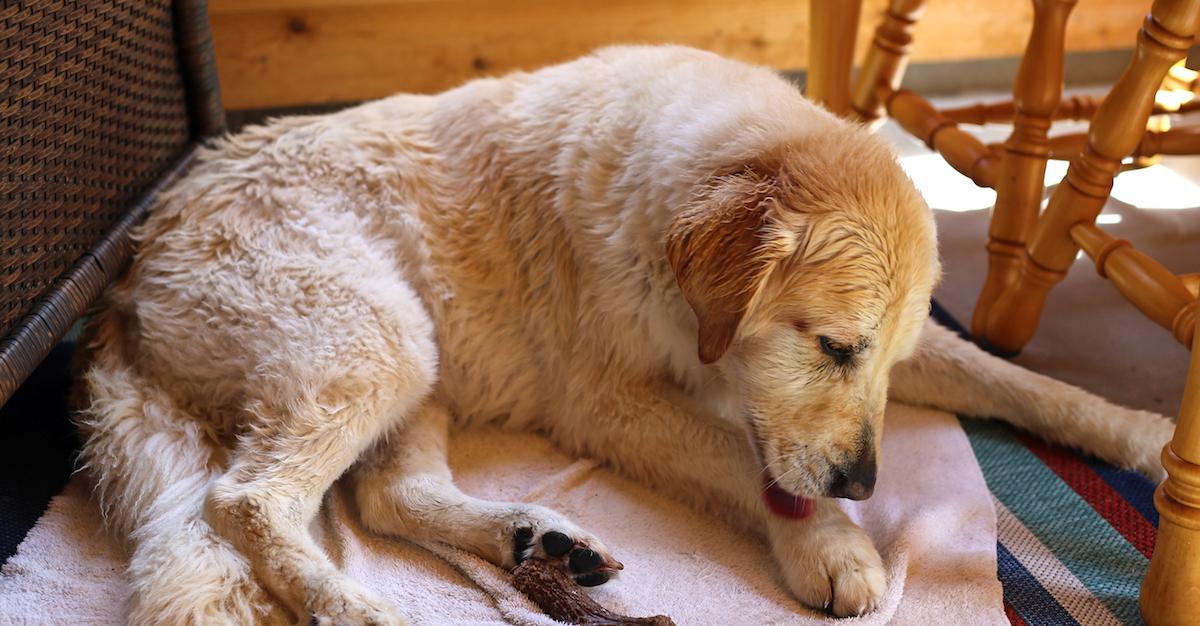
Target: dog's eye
[{"x": 840, "y": 354}]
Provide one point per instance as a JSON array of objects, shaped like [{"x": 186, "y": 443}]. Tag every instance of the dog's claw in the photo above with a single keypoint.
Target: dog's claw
[{"x": 585, "y": 560}]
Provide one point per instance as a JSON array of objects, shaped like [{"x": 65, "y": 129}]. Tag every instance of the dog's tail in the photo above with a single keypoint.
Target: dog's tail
[{"x": 152, "y": 465}]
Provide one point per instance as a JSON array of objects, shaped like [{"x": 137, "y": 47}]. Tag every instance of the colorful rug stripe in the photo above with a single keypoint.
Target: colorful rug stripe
[
  {"x": 1013, "y": 617},
  {"x": 1134, "y": 488},
  {"x": 1086, "y": 544},
  {"x": 1029, "y": 599},
  {"x": 1103, "y": 499},
  {"x": 1049, "y": 573}
]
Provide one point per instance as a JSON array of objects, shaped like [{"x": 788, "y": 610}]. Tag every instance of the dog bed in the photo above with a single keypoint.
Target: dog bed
[{"x": 932, "y": 519}]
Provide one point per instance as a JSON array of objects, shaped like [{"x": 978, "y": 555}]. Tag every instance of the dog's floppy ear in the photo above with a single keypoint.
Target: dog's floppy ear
[{"x": 720, "y": 249}]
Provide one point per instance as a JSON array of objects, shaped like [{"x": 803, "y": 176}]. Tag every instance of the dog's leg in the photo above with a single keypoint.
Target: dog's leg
[
  {"x": 152, "y": 466},
  {"x": 404, "y": 488},
  {"x": 317, "y": 403},
  {"x": 954, "y": 375},
  {"x": 658, "y": 436},
  {"x": 275, "y": 483}
]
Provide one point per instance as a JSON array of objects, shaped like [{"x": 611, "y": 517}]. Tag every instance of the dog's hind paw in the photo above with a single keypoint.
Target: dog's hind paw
[
  {"x": 556, "y": 540},
  {"x": 338, "y": 601}
]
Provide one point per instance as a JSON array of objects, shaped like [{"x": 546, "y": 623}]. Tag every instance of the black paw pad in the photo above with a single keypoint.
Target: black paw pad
[
  {"x": 522, "y": 541},
  {"x": 585, "y": 560},
  {"x": 595, "y": 579},
  {"x": 556, "y": 543}
]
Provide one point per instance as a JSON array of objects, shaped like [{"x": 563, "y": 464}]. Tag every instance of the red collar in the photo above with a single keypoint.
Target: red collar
[{"x": 785, "y": 504}]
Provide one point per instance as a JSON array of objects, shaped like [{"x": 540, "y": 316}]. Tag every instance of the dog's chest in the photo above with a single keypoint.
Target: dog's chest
[{"x": 487, "y": 371}]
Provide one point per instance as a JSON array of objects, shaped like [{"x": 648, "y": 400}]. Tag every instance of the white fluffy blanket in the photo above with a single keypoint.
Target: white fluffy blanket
[{"x": 931, "y": 517}]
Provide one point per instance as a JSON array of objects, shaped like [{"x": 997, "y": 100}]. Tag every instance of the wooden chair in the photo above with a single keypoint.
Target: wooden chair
[{"x": 1030, "y": 250}]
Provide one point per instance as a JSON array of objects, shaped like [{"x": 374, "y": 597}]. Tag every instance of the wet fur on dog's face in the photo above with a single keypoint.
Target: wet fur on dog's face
[{"x": 810, "y": 270}]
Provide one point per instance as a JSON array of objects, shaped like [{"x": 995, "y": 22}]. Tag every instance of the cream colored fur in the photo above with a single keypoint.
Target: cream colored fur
[{"x": 637, "y": 253}]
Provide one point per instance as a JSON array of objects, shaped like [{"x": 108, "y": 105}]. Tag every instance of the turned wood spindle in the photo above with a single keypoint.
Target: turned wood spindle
[
  {"x": 961, "y": 150},
  {"x": 1152, "y": 288},
  {"x": 1067, "y": 147},
  {"x": 1069, "y": 108},
  {"x": 1075, "y": 107},
  {"x": 1171, "y": 590},
  {"x": 832, "y": 30},
  {"x": 1184, "y": 140},
  {"x": 980, "y": 113},
  {"x": 1036, "y": 96},
  {"x": 886, "y": 58},
  {"x": 1115, "y": 131}
]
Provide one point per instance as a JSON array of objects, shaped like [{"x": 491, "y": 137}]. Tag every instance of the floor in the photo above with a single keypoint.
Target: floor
[{"x": 1089, "y": 334}]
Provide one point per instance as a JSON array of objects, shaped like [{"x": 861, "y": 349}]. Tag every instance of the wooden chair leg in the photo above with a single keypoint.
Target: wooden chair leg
[
  {"x": 1185, "y": 140},
  {"x": 832, "y": 31},
  {"x": 1171, "y": 590},
  {"x": 1036, "y": 96},
  {"x": 1077, "y": 107},
  {"x": 886, "y": 58},
  {"x": 1153, "y": 289},
  {"x": 1115, "y": 131},
  {"x": 971, "y": 157}
]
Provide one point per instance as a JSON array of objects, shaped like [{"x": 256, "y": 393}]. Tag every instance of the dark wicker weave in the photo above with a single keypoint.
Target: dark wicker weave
[{"x": 99, "y": 100}]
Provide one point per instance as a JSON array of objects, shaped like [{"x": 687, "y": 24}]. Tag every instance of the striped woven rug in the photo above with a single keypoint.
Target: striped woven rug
[{"x": 1074, "y": 534}]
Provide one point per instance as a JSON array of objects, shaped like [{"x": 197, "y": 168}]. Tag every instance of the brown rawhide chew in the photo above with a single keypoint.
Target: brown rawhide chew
[{"x": 555, "y": 593}]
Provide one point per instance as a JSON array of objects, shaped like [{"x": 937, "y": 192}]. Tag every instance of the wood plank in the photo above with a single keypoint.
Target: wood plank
[{"x": 289, "y": 52}]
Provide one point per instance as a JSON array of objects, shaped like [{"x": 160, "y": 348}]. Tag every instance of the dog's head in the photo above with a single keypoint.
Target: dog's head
[{"x": 809, "y": 268}]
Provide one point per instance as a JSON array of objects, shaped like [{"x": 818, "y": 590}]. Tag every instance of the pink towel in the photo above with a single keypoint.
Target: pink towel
[{"x": 931, "y": 517}]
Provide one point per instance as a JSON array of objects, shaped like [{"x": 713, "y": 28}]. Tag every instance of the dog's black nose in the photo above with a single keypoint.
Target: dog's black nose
[{"x": 855, "y": 480}]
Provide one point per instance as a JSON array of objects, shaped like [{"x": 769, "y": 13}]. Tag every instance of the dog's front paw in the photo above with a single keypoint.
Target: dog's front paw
[
  {"x": 544, "y": 534},
  {"x": 844, "y": 581},
  {"x": 831, "y": 565}
]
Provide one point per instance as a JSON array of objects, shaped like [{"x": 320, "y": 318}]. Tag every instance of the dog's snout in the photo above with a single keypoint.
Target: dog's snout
[{"x": 856, "y": 479}]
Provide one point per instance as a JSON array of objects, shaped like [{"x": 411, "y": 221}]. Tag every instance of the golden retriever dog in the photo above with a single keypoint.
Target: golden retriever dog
[{"x": 656, "y": 257}]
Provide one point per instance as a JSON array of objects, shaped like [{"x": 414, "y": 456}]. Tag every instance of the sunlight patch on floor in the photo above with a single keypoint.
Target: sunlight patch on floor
[
  {"x": 1156, "y": 187},
  {"x": 943, "y": 187}
]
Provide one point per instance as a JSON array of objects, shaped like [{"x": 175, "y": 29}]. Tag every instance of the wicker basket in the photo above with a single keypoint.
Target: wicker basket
[{"x": 101, "y": 102}]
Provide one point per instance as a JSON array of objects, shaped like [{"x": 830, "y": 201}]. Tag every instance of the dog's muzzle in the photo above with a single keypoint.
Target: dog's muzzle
[{"x": 855, "y": 480}]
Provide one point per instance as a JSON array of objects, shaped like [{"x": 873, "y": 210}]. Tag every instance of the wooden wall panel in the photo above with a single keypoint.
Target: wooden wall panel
[{"x": 289, "y": 52}]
